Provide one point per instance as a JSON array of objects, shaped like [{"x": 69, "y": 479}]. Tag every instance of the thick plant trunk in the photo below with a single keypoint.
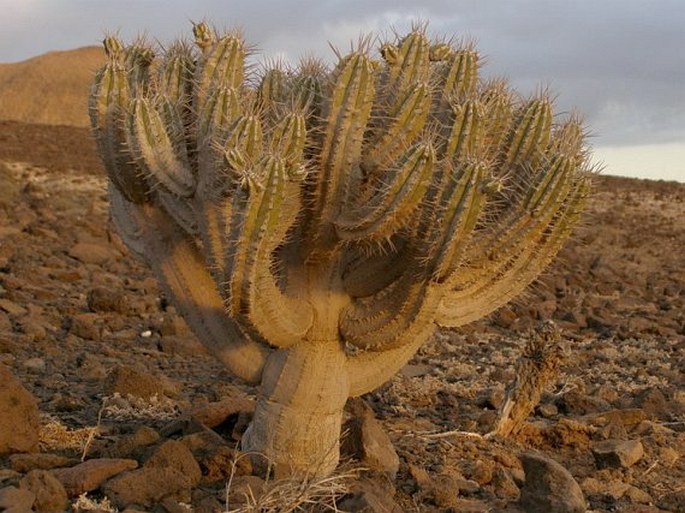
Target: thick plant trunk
[{"x": 297, "y": 421}]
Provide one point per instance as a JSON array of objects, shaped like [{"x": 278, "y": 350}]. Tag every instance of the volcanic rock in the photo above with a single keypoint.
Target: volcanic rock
[
  {"x": 90, "y": 474},
  {"x": 48, "y": 491},
  {"x": 147, "y": 486},
  {"x": 133, "y": 445},
  {"x": 174, "y": 454},
  {"x": 104, "y": 299},
  {"x": 38, "y": 461},
  {"x": 370, "y": 496},
  {"x": 367, "y": 441},
  {"x": 549, "y": 487},
  {"x": 126, "y": 380},
  {"x": 91, "y": 253},
  {"x": 617, "y": 453},
  {"x": 16, "y": 500},
  {"x": 19, "y": 422}
]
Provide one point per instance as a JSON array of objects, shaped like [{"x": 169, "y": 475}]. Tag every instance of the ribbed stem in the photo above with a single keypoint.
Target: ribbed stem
[
  {"x": 295, "y": 214},
  {"x": 297, "y": 421}
]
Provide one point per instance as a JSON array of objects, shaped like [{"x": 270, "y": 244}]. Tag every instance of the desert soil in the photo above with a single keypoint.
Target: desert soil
[{"x": 82, "y": 324}]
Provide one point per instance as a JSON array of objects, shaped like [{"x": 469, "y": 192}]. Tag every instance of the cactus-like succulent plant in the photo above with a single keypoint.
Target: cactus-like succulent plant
[{"x": 313, "y": 226}]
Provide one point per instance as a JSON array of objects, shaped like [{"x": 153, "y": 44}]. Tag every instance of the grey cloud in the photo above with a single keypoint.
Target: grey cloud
[{"x": 620, "y": 62}]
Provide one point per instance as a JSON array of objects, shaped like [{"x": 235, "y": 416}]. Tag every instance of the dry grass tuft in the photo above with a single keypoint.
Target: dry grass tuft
[
  {"x": 128, "y": 407},
  {"x": 84, "y": 503},
  {"x": 301, "y": 494},
  {"x": 55, "y": 436}
]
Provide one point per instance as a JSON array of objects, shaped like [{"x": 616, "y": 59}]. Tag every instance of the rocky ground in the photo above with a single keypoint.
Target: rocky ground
[{"x": 104, "y": 393}]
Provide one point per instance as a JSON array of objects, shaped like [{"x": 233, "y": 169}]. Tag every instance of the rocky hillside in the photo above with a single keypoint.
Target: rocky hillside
[
  {"x": 49, "y": 89},
  {"x": 95, "y": 365}
]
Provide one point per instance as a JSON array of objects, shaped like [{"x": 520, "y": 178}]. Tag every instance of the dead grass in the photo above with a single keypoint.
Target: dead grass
[
  {"x": 120, "y": 408},
  {"x": 56, "y": 437},
  {"x": 301, "y": 494},
  {"x": 84, "y": 503}
]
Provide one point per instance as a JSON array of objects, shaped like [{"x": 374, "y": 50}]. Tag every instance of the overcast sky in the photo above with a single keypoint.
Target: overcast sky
[{"x": 621, "y": 63}]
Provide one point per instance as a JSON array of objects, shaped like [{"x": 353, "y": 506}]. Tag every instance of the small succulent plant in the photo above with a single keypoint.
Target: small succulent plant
[{"x": 313, "y": 226}]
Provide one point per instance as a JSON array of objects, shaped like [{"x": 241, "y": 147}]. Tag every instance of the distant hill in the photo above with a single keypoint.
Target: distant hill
[
  {"x": 54, "y": 147},
  {"x": 51, "y": 88}
]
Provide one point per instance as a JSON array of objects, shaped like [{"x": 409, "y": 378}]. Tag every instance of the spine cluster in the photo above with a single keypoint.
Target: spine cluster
[{"x": 402, "y": 180}]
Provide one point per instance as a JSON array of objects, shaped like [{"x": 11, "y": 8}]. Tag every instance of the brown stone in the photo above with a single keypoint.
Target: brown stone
[
  {"x": 5, "y": 323},
  {"x": 469, "y": 506},
  {"x": 617, "y": 453},
  {"x": 642, "y": 508},
  {"x": 591, "y": 486},
  {"x": 202, "y": 440},
  {"x": 467, "y": 486},
  {"x": 36, "y": 365},
  {"x": 668, "y": 456},
  {"x": 104, "y": 299},
  {"x": 69, "y": 275},
  {"x": 209, "y": 504},
  {"x": 569, "y": 432},
  {"x": 174, "y": 454},
  {"x": 504, "y": 484},
  {"x": 492, "y": 398},
  {"x": 367, "y": 442},
  {"x": 481, "y": 472},
  {"x": 654, "y": 402},
  {"x": 16, "y": 499},
  {"x": 126, "y": 380},
  {"x": 243, "y": 489},
  {"x": 19, "y": 422},
  {"x": 222, "y": 461},
  {"x": 420, "y": 475},
  {"x": 549, "y": 487},
  {"x": 9, "y": 231},
  {"x": 628, "y": 417},
  {"x": 576, "y": 402},
  {"x": 88, "y": 326},
  {"x": 545, "y": 309},
  {"x": 12, "y": 308},
  {"x": 186, "y": 345},
  {"x": 213, "y": 414},
  {"x": 370, "y": 496},
  {"x": 34, "y": 325},
  {"x": 147, "y": 486},
  {"x": 38, "y": 461},
  {"x": 547, "y": 410},
  {"x": 90, "y": 367},
  {"x": 615, "y": 489},
  {"x": 638, "y": 496},
  {"x": 173, "y": 324},
  {"x": 90, "y": 474},
  {"x": 133, "y": 445},
  {"x": 91, "y": 253},
  {"x": 49, "y": 492},
  {"x": 441, "y": 489},
  {"x": 415, "y": 370},
  {"x": 505, "y": 317},
  {"x": 172, "y": 505}
]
